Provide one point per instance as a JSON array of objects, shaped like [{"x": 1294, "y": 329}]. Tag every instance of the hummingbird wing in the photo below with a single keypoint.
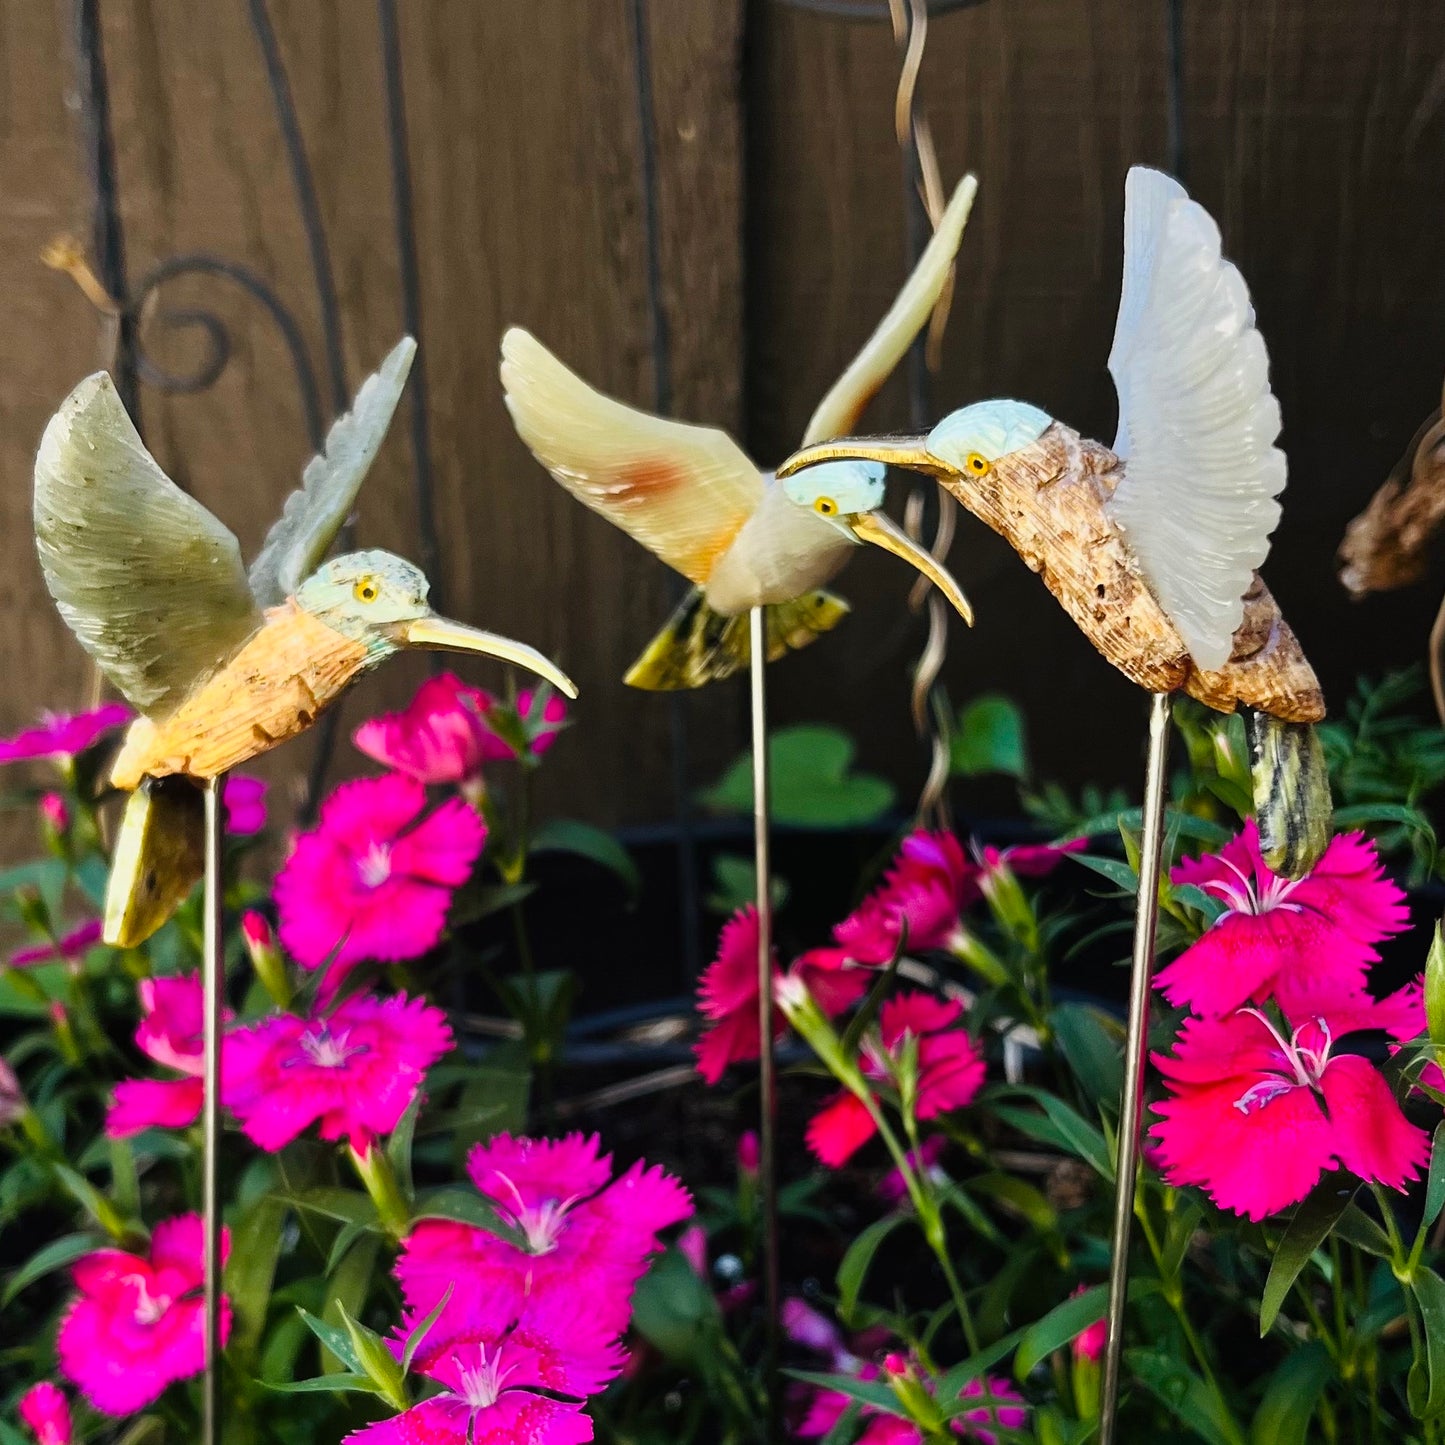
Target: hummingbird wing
[
  {"x": 316, "y": 511},
  {"x": 682, "y": 491},
  {"x": 1197, "y": 420},
  {"x": 148, "y": 580},
  {"x": 839, "y": 412}
]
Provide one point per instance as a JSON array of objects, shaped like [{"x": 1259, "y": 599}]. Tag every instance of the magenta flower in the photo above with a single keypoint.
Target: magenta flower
[
  {"x": 1281, "y": 938},
  {"x": 728, "y": 999},
  {"x": 63, "y": 735},
  {"x": 950, "y": 1072},
  {"x": 1089, "y": 1343},
  {"x": 833, "y": 979},
  {"x": 1032, "y": 860},
  {"x": 583, "y": 1233},
  {"x": 54, "y": 814},
  {"x": 441, "y": 736},
  {"x": 927, "y": 887},
  {"x": 68, "y": 948},
  {"x": 356, "y": 1070},
  {"x": 171, "y": 1032},
  {"x": 361, "y": 886},
  {"x": 1256, "y": 1114},
  {"x": 512, "y": 1375},
  {"x": 46, "y": 1410},
  {"x": 139, "y": 1324},
  {"x": 244, "y": 798},
  {"x": 542, "y": 714}
]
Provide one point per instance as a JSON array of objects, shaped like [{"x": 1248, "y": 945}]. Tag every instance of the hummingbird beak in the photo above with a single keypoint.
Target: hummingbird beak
[
  {"x": 910, "y": 452},
  {"x": 441, "y": 634},
  {"x": 881, "y": 531}
]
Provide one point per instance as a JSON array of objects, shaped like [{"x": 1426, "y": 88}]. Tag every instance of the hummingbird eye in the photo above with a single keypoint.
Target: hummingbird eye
[
  {"x": 978, "y": 464},
  {"x": 825, "y": 507},
  {"x": 366, "y": 590}
]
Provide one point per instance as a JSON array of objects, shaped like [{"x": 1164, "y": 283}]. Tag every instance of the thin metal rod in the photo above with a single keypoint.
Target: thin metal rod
[
  {"x": 1131, "y": 1104},
  {"x": 767, "y": 1103},
  {"x": 213, "y": 980}
]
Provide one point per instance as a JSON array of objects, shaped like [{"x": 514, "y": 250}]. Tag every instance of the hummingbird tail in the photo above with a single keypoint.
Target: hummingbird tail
[
  {"x": 1292, "y": 801},
  {"x": 700, "y": 645},
  {"x": 159, "y": 858}
]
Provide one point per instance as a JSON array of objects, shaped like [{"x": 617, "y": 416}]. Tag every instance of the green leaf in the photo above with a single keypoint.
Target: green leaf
[
  {"x": 336, "y": 1341},
  {"x": 324, "y": 1384},
  {"x": 853, "y": 1269},
  {"x": 988, "y": 738},
  {"x": 571, "y": 835},
  {"x": 1435, "y": 989},
  {"x": 1426, "y": 1384},
  {"x": 951, "y": 1386},
  {"x": 866, "y": 1392},
  {"x": 55, "y": 1255},
  {"x": 1093, "y": 1045},
  {"x": 1062, "y": 1323},
  {"x": 1017, "y": 1196},
  {"x": 347, "y": 1287},
  {"x": 1360, "y": 1230},
  {"x": 377, "y": 1361},
  {"x": 1115, "y": 870},
  {"x": 1435, "y": 1189},
  {"x": 812, "y": 781},
  {"x": 1183, "y": 1223},
  {"x": 1177, "y": 1386},
  {"x": 419, "y": 1330},
  {"x": 1059, "y": 1125},
  {"x": 398, "y": 1147},
  {"x": 1284, "y": 1415},
  {"x": 1307, "y": 1230},
  {"x": 466, "y": 1206},
  {"x": 349, "y": 1206},
  {"x": 675, "y": 1311},
  {"x": 250, "y": 1270},
  {"x": 735, "y": 885}
]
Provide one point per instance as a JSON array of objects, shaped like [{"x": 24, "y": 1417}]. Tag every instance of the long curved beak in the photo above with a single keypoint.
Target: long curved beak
[
  {"x": 881, "y": 531},
  {"x": 443, "y": 635},
  {"x": 911, "y": 452}
]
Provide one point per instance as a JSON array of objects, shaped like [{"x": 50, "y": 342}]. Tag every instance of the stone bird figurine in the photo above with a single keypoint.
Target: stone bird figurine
[
  {"x": 691, "y": 495},
  {"x": 222, "y": 664},
  {"x": 1152, "y": 546}
]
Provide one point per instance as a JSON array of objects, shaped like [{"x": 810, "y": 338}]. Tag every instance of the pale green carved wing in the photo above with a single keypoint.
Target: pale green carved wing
[
  {"x": 297, "y": 544},
  {"x": 147, "y": 579}
]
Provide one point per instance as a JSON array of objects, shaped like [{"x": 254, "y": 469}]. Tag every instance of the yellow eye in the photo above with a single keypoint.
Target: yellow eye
[
  {"x": 825, "y": 507},
  {"x": 978, "y": 464},
  {"x": 365, "y": 590}
]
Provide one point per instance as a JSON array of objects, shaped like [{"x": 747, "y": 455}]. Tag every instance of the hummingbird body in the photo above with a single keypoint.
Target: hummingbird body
[
  {"x": 222, "y": 663},
  {"x": 285, "y": 675},
  {"x": 1049, "y": 501},
  {"x": 780, "y": 552},
  {"x": 695, "y": 499},
  {"x": 1153, "y": 545}
]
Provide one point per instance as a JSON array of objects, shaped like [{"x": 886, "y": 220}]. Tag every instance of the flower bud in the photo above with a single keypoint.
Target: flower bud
[
  {"x": 45, "y": 1409},
  {"x": 13, "y": 1105},
  {"x": 748, "y": 1152},
  {"x": 266, "y": 956},
  {"x": 54, "y": 815}
]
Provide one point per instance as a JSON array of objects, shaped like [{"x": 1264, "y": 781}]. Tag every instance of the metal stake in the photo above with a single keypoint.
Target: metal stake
[
  {"x": 1131, "y": 1104},
  {"x": 213, "y": 980},
  {"x": 767, "y": 1106}
]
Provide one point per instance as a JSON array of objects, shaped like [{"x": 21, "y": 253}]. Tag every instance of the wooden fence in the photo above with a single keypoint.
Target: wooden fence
[{"x": 700, "y": 202}]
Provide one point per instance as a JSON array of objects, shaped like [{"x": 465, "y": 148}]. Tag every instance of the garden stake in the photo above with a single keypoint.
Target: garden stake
[
  {"x": 213, "y": 983},
  {"x": 692, "y": 496},
  {"x": 1136, "y": 1049},
  {"x": 222, "y": 664},
  {"x": 767, "y": 1087}
]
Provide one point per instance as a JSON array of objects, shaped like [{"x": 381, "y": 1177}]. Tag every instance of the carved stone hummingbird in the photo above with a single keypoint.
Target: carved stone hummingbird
[
  {"x": 693, "y": 497},
  {"x": 221, "y": 663},
  {"x": 1151, "y": 547}
]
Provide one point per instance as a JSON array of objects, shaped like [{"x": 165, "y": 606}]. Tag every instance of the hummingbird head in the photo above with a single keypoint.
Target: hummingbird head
[
  {"x": 847, "y": 494},
  {"x": 969, "y": 442},
  {"x": 381, "y": 601}
]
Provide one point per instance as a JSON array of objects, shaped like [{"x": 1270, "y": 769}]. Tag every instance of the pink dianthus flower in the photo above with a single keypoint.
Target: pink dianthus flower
[
  {"x": 63, "y": 735},
  {"x": 1257, "y": 1113},
  {"x": 583, "y": 1233},
  {"x": 950, "y": 1072},
  {"x": 1278, "y": 937},
  {"x": 68, "y": 948},
  {"x": 356, "y": 1070},
  {"x": 926, "y": 887},
  {"x": 728, "y": 999},
  {"x": 364, "y": 884},
  {"x": 139, "y": 1323},
  {"x": 172, "y": 1032},
  {"x": 46, "y": 1410}
]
